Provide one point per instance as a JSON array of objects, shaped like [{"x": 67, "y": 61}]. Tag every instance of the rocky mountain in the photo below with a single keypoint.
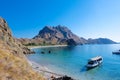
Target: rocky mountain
[
  {"x": 100, "y": 41},
  {"x": 13, "y": 63},
  {"x": 58, "y": 35}
]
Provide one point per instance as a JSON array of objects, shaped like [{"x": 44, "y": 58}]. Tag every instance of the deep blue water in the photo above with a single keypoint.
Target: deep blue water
[{"x": 72, "y": 60}]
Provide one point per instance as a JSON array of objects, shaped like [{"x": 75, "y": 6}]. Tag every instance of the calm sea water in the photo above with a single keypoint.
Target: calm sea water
[{"x": 71, "y": 61}]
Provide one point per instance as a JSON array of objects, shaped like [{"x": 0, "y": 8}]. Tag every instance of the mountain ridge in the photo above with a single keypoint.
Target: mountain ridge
[{"x": 61, "y": 35}]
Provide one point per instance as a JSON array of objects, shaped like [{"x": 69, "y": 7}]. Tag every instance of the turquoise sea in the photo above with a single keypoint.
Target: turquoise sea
[{"x": 71, "y": 61}]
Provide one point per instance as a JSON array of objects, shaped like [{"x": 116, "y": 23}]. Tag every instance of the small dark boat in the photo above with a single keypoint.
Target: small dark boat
[
  {"x": 94, "y": 62},
  {"x": 116, "y": 52}
]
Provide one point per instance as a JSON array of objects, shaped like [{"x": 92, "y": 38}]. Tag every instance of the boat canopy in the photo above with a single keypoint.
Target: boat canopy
[{"x": 95, "y": 58}]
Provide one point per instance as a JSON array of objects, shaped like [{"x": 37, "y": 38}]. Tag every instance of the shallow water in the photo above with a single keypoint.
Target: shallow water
[{"x": 71, "y": 61}]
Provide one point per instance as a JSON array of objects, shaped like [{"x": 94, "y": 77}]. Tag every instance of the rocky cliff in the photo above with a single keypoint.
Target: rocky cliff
[
  {"x": 13, "y": 63},
  {"x": 7, "y": 38}
]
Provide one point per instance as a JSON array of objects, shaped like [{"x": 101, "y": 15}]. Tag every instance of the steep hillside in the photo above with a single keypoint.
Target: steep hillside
[{"x": 13, "y": 63}]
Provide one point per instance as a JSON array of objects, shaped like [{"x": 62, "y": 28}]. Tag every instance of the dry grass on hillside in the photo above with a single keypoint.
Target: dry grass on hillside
[{"x": 15, "y": 68}]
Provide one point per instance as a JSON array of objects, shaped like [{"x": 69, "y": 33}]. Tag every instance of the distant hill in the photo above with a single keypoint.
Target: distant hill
[{"x": 100, "y": 41}]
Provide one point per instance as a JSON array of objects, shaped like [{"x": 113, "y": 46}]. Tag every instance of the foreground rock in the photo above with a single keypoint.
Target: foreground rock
[
  {"x": 63, "y": 78},
  {"x": 13, "y": 63}
]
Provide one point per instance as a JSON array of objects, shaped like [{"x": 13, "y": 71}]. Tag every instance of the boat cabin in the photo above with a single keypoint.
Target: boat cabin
[{"x": 93, "y": 62}]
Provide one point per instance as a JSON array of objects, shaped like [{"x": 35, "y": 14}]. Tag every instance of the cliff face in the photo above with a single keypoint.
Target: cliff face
[
  {"x": 6, "y": 37},
  {"x": 13, "y": 64},
  {"x": 58, "y": 35}
]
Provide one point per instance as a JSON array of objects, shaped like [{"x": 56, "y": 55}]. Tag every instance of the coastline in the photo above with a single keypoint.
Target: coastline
[
  {"x": 47, "y": 73},
  {"x": 32, "y": 47}
]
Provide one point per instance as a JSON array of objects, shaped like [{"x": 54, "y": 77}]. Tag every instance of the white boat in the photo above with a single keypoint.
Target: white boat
[
  {"x": 116, "y": 52},
  {"x": 93, "y": 62}
]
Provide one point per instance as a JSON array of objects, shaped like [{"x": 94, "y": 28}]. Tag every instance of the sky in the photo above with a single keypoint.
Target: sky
[{"x": 85, "y": 18}]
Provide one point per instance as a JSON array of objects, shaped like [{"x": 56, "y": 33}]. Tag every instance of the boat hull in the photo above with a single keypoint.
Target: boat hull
[
  {"x": 91, "y": 67},
  {"x": 116, "y": 52}
]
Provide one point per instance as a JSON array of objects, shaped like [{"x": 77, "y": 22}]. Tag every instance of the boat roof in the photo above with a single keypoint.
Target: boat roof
[{"x": 96, "y": 58}]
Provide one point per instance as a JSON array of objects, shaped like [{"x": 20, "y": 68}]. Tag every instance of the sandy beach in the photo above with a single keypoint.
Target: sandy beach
[
  {"x": 47, "y": 73},
  {"x": 31, "y": 47}
]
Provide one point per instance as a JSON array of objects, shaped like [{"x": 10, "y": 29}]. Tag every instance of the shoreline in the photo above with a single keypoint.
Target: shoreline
[
  {"x": 47, "y": 73},
  {"x": 32, "y": 47}
]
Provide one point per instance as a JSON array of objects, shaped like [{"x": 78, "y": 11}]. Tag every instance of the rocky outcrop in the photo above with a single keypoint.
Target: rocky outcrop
[
  {"x": 13, "y": 63},
  {"x": 63, "y": 78},
  {"x": 7, "y": 38},
  {"x": 57, "y": 35},
  {"x": 71, "y": 42}
]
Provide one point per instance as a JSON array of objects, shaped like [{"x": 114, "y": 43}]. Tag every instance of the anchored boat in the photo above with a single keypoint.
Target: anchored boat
[
  {"x": 116, "y": 52},
  {"x": 94, "y": 62}
]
